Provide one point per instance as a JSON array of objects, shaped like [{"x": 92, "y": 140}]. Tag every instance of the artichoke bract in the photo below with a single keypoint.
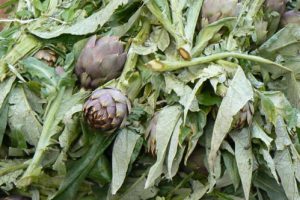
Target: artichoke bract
[
  {"x": 107, "y": 109},
  {"x": 100, "y": 61}
]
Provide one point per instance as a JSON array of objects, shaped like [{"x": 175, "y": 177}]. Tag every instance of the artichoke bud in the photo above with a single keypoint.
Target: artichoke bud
[
  {"x": 244, "y": 116},
  {"x": 100, "y": 61},
  {"x": 47, "y": 56},
  {"x": 276, "y": 5},
  {"x": 213, "y": 10},
  {"x": 290, "y": 17},
  {"x": 150, "y": 135},
  {"x": 106, "y": 109}
]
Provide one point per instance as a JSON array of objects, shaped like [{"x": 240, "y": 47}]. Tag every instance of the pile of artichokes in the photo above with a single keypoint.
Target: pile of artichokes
[{"x": 100, "y": 61}]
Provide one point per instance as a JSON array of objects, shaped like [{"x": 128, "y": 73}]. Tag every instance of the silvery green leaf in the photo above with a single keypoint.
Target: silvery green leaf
[
  {"x": 258, "y": 133},
  {"x": 168, "y": 115},
  {"x": 270, "y": 163},
  {"x": 8, "y": 180},
  {"x": 232, "y": 169},
  {"x": 243, "y": 155},
  {"x": 296, "y": 162},
  {"x": 5, "y": 87},
  {"x": 183, "y": 91},
  {"x": 144, "y": 49},
  {"x": 81, "y": 27},
  {"x": 22, "y": 118},
  {"x": 198, "y": 120},
  {"x": 122, "y": 151},
  {"x": 173, "y": 149},
  {"x": 160, "y": 37},
  {"x": 238, "y": 94},
  {"x": 282, "y": 136},
  {"x": 208, "y": 32},
  {"x": 192, "y": 13},
  {"x": 284, "y": 167}
]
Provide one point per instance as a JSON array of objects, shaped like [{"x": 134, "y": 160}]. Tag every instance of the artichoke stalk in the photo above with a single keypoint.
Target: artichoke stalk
[
  {"x": 100, "y": 61},
  {"x": 107, "y": 109}
]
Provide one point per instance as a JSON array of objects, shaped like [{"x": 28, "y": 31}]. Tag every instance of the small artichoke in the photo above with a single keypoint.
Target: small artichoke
[
  {"x": 290, "y": 17},
  {"x": 47, "y": 56},
  {"x": 106, "y": 109},
  {"x": 213, "y": 10},
  {"x": 150, "y": 135},
  {"x": 100, "y": 61},
  {"x": 244, "y": 116}
]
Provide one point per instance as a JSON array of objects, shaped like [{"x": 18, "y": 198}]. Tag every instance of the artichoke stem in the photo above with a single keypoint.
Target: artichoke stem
[{"x": 162, "y": 66}]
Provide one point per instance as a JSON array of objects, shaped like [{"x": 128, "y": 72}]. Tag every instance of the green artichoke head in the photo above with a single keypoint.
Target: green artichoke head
[
  {"x": 213, "y": 10},
  {"x": 290, "y": 17},
  {"x": 100, "y": 61},
  {"x": 107, "y": 109}
]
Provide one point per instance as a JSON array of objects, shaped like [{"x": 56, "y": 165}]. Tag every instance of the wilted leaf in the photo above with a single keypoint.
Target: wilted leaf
[
  {"x": 173, "y": 149},
  {"x": 243, "y": 154},
  {"x": 122, "y": 151},
  {"x": 167, "y": 120},
  {"x": 284, "y": 167},
  {"x": 82, "y": 27},
  {"x": 238, "y": 94},
  {"x": 22, "y": 117}
]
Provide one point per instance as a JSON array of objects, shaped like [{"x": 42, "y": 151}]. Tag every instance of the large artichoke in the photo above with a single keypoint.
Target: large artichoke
[
  {"x": 106, "y": 109},
  {"x": 100, "y": 61},
  {"x": 213, "y": 10}
]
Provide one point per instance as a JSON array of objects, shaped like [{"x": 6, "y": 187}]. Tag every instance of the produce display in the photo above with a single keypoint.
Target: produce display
[{"x": 150, "y": 99}]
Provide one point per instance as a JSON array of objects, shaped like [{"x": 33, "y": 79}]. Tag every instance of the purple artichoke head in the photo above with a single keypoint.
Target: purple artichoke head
[
  {"x": 100, "y": 61},
  {"x": 213, "y": 10},
  {"x": 276, "y": 5},
  {"x": 290, "y": 17},
  {"x": 106, "y": 109}
]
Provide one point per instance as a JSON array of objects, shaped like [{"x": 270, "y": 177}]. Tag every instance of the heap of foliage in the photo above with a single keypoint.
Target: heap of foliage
[{"x": 172, "y": 99}]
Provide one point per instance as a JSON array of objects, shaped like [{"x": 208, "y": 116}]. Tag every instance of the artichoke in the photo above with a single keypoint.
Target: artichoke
[
  {"x": 290, "y": 17},
  {"x": 244, "y": 116},
  {"x": 276, "y": 5},
  {"x": 213, "y": 10},
  {"x": 100, "y": 61},
  {"x": 47, "y": 56},
  {"x": 150, "y": 135},
  {"x": 106, "y": 109}
]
